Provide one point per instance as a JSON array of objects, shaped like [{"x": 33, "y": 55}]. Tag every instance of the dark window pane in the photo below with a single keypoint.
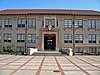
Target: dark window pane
[
  {"x": 6, "y": 25},
  {"x": 9, "y": 40},
  {"x": 10, "y": 25},
  {"x": 5, "y": 40},
  {"x": 94, "y": 41},
  {"x": 19, "y": 25},
  {"x": 22, "y": 40},
  {"x": 18, "y": 40},
  {"x": 23, "y": 25}
]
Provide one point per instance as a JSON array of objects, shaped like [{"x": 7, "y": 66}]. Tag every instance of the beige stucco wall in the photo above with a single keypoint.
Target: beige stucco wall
[{"x": 39, "y": 24}]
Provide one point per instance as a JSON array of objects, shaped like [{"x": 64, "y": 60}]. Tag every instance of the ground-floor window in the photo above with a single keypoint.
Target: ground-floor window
[
  {"x": 92, "y": 50},
  {"x": 6, "y": 49},
  {"x": 20, "y": 49},
  {"x": 78, "y": 50}
]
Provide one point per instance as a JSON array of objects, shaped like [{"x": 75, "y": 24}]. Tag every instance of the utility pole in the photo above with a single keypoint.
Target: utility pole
[
  {"x": 73, "y": 37},
  {"x": 25, "y": 35}
]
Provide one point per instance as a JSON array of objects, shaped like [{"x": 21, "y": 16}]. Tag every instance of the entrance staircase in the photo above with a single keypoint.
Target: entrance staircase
[{"x": 47, "y": 53}]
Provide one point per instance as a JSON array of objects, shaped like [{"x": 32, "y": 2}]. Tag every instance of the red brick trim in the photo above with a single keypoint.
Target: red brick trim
[
  {"x": 78, "y": 66},
  {"x": 10, "y": 62},
  {"x": 6, "y": 58},
  {"x": 61, "y": 70},
  {"x": 12, "y": 73},
  {"x": 88, "y": 63},
  {"x": 40, "y": 67}
]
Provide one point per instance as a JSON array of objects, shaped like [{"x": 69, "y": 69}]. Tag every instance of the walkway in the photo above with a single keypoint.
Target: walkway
[{"x": 49, "y": 65}]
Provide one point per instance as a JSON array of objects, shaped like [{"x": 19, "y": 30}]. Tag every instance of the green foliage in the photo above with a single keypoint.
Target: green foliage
[{"x": 13, "y": 49}]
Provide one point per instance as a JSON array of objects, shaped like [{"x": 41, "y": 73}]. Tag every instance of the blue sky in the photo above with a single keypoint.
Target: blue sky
[{"x": 50, "y": 4}]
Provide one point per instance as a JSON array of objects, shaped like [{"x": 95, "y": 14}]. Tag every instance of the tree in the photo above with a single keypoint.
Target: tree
[{"x": 14, "y": 46}]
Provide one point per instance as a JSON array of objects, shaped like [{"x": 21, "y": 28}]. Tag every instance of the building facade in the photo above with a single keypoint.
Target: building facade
[{"x": 50, "y": 30}]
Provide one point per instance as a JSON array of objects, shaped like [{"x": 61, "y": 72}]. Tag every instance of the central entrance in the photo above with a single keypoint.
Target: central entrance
[{"x": 49, "y": 42}]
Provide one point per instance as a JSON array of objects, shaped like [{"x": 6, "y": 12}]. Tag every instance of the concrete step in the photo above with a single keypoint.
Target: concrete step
[{"x": 47, "y": 53}]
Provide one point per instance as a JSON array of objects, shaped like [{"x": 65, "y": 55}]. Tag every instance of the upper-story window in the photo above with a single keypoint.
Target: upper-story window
[
  {"x": 91, "y": 24},
  {"x": 99, "y": 24},
  {"x": 0, "y": 23},
  {"x": 8, "y": 23},
  {"x": 92, "y": 38},
  {"x": 31, "y": 23},
  {"x": 21, "y": 23},
  {"x": 67, "y": 38},
  {"x": 67, "y": 23},
  {"x": 78, "y": 23},
  {"x": 49, "y": 21},
  {"x": 79, "y": 38},
  {"x": 7, "y": 37}
]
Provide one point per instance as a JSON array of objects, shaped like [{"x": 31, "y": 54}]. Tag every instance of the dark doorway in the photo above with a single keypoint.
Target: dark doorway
[{"x": 49, "y": 42}]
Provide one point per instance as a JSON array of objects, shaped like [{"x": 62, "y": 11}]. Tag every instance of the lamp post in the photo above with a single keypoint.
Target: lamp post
[
  {"x": 73, "y": 35},
  {"x": 25, "y": 35}
]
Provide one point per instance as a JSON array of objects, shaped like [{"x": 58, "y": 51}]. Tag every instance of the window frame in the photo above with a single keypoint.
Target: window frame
[
  {"x": 7, "y": 37},
  {"x": 78, "y": 24},
  {"x": 67, "y": 38},
  {"x": 67, "y": 23},
  {"x": 0, "y": 37},
  {"x": 1, "y": 22},
  {"x": 8, "y": 23},
  {"x": 91, "y": 39},
  {"x": 98, "y": 23},
  {"x": 32, "y": 24},
  {"x": 21, "y": 23},
  {"x": 78, "y": 38},
  {"x": 20, "y": 37},
  {"x": 50, "y": 18},
  {"x": 32, "y": 38},
  {"x": 91, "y": 24}
]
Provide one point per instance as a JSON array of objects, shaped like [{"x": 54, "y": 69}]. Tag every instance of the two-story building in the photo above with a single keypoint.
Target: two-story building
[{"x": 50, "y": 30}]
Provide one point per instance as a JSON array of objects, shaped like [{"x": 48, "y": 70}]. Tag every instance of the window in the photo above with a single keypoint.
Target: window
[
  {"x": 31, "y": 23},
  {"x": 0, "y": 23},
  {"x": 20, "y": 49},
  {"x": 99, "y": 38},
  {"x": 8, "y": 23},
  {"x": 91, "y": 24},
  {"x": 67, "y": 38},
  {"x": 20, "y": 37},
  {"x": 50, "y": 22},
  {"x": 78, "y": 24},
  {"x": 92, "y": 38},
  {"x": 99, "y": 24},
  {"x": 78, "y": 50},
  {"x": 67, "y": 23},
  {"x": 79, "y": 38},
  {"x": 21, "y": 23},
  {"x": 92, "y": 50},
  {"x": 32, "y": 38},
  {"x": 6, "y": 49},
  {"x": 0, "y": 37},
  {"x": 7, "y": 37}
]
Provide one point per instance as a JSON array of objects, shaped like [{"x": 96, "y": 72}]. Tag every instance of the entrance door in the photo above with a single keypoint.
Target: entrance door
[{"x": 49, "y": 42}]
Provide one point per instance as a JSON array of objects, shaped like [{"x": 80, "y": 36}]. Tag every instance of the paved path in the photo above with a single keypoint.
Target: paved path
[{"x": 49, "y": 65}]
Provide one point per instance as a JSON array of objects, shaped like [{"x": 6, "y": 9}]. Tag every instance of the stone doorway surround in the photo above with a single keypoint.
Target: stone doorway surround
[{"x": 50, "y": 32}]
